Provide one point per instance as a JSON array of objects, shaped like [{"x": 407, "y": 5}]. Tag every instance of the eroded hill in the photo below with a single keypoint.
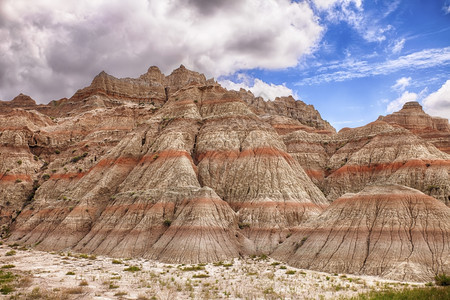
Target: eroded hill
[{"x": 179, "y": 169}]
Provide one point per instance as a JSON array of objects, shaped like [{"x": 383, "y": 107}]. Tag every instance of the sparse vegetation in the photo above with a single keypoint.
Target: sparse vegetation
[
  {"x": 117, "y": 262},
  {"x": 200, "y": 276},
  {"x": 132, "y": 269},
  {"x": 442, "y": 280},
  {"x": 10, "y": 253},
  {"x": 83, "y": 283},
  {"x": 78, "y": 158},
  {"x": 193, "y": 268},
  {"x": 243, "y": 225},
  {"x": 8, "y": 266},
  {"x": 407, "y": 294}
]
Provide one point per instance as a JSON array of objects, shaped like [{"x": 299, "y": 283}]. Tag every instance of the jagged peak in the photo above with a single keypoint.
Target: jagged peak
[{"x": 23, "y": 99}]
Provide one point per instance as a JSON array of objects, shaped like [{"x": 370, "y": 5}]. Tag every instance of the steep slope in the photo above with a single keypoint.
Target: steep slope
[
  {"x": 169, "y": 166},
  {"x": 375, "y": 153},
  {"x": 433, "y": 129},
  {"x": 245, "y": 162},
  {"x": 391, "y": 231}
]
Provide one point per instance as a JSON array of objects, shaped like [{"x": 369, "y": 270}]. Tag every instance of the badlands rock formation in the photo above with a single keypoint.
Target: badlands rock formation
[
  {"x": 391, "y": 231},
  {"x": 178, "y": 169},
  {"x": 433, "y": 129}
]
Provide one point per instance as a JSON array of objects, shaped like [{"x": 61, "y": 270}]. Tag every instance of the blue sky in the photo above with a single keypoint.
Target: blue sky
[
  {"x": 352, "y": 59},
  {"x": 352, "y": 77}
]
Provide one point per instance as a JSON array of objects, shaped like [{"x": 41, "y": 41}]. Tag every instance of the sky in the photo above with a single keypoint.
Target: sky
[{"x": 352, "y": 59}]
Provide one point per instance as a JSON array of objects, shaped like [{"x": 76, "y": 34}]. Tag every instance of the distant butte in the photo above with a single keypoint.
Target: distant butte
[{"x": 177, "y": 168}]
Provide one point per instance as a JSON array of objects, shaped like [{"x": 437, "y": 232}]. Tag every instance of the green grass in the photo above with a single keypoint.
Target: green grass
[
  {"x": 132, "y": 269},
  {"x": 193, "y": 268},
  {"x": 427, "y": 293},
  {"x": 8, "y": 266}
]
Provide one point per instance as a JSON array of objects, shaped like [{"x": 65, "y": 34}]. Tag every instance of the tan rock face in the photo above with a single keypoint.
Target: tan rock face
[
  {"x": 391, "y": 231},
  {"x": 433, "y": 129},
  {"x": 179, "y": 169}
]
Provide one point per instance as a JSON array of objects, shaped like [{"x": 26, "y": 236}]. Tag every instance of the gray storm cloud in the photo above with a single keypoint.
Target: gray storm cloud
[{"x": 51, "y": 48}]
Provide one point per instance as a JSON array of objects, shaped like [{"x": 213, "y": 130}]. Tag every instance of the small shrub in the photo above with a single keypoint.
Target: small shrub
[
  {"x": 113, "y": 286},
  {"x": 18, "y": 180},
  {"x": 74, "y": 291},
  {"x": 6, "y": 289},
  {"x": 442, "y": 280},
  {"x": 167, "y": 222},
  {"x": 193, "y": 268},
  {"x": 8, "y": 266},
  {"x": 70, "y": 273},
  {"x": 84, "y": 256},
  {"x": 10, "y": 253},
  {"x": 19, "y": 162},
  {"x": 57, "y": 151},
  {"x": 120, "y": 294},
  {"x": 132, "y": 269},
  {"x": 83, "y": 283},
  {"x": 243, "y": 225},
  {"x": 200, "y": 276},
  {"x": 117, "y": 262},
  {"x": 290, "y": 272},
  {"x": 46, "y": 177}
]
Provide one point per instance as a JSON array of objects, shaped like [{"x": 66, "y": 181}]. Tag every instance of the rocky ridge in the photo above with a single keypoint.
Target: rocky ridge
[
  {"x": 178, "y": 169},
  {"x": 433, "y": 129}
]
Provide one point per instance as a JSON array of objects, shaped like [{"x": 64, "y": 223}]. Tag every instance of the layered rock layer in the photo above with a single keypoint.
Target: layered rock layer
[
  {"x": 177, "y": 168},
  {"x": 390, "y": 231},
  {"x": 433, "y": 129}
]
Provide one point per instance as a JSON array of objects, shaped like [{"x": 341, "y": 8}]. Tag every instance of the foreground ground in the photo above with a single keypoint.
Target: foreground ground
[{"x": 33, "y": 274}]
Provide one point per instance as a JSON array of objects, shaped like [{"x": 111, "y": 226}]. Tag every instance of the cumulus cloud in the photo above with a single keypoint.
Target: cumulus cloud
[
  {"x": 397, "y": 104},
  {"x": 401, "y": 84},
  {"x": 49, "y": 49},
  {"x": 259, "y": 88},
  {"x": 438, "y": 103}
]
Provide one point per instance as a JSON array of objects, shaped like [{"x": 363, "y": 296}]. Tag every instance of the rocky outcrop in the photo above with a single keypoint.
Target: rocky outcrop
[
  {"x": 390, "y": 231},
  {"x": 433, "y": 129},
  {"x": 288, "y": 107}
]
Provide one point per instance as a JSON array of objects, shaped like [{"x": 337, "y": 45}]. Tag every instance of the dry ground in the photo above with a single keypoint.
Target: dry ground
[{"x": 80, "y": 276}]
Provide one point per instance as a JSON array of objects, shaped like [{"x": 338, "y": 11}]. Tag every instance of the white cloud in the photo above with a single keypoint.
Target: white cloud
[
  {"x": 446, "y": 7},
  {"x": 259, "y": 88},
  {"x": 49, "y": 49},
  {"x": 438, "y": 103},
  {"x": 398, "y": 46},
  {"x": 351, "y": 69},
  {"x": 401, "y": 84},
  {"x": 397, "y": 104},
  {"x": 352, "y": 12}
]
